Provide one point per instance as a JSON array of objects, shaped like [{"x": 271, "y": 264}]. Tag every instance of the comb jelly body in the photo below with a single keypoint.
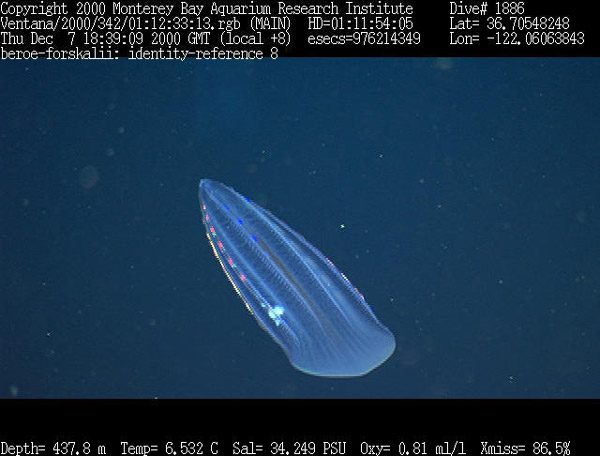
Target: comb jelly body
[{"x": 297, "y": 295}]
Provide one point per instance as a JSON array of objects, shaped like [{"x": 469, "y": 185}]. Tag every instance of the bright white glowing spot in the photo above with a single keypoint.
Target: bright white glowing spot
[{"x": 275, "y": 314}]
